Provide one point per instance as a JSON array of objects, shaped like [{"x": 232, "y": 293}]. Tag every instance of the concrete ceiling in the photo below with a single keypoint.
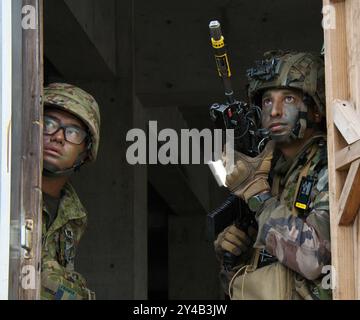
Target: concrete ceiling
[
  {"x": 174, "y": 61},
  {"x": 174, "y": 64}
]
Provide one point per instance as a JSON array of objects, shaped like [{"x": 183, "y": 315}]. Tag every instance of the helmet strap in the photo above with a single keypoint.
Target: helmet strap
[
  {"x": 59, "y": 173},
  {"x": 53, "y": 173},
  {"x": 302, "y": 123}
]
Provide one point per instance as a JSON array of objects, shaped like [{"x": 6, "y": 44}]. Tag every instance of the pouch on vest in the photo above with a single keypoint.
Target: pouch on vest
[
  {"x": 272, "y": 282},
  {"x": 59, "y": 284},
  {"x": 67, "y": 247}
]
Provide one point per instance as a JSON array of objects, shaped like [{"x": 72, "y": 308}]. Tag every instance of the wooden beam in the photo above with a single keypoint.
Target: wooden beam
[
  {"x": 31, "y": 173},
  {"x": 16, "y": 152},
  {"x": 346, "y": 120},
  {"x": 337, "y": 87},
  {"x": 345, "y": 156},
  {"x": 349, "y": 202},
  {"x": 353, "y": 50}
]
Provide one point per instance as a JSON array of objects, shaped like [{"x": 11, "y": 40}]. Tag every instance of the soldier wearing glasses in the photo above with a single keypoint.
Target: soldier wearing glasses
[{"x": 71, "y": 139}]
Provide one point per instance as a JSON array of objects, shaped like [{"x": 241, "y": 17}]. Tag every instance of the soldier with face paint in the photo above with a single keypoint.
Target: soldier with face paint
[
  {"x": 286, "y": 187},
  {"x": 71, "y": 138}
]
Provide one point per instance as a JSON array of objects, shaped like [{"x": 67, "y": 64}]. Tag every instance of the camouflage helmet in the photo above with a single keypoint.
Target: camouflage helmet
[
  {"x": 79, "y": 103},
  {"x": 286, "y": 69}
]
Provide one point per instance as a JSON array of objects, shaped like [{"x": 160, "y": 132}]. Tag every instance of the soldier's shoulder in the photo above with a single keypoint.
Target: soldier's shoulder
[{"x": 73, "y": 207}]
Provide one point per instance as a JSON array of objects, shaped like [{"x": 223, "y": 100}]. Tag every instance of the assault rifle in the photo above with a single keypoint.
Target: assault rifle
[{"x": 245, "y": 120}]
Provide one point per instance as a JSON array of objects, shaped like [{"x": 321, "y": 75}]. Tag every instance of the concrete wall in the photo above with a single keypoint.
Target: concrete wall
[
  {"x": 187, "y": 189},
  {"x": 112, "y": 254},
  {"x": 98, "y": 20}
]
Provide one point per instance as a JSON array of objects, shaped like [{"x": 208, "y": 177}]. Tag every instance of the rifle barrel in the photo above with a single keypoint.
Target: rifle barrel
[{"x": 221, "y": 58}]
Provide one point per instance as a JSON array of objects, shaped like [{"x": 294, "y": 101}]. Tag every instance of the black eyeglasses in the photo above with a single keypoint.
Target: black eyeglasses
[{"x": 72, "y": 134}]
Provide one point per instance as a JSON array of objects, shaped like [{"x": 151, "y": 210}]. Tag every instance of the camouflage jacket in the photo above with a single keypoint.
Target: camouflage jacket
[
  {"x": 59, "y": 243},
  {"x": 299, "y": 239}
]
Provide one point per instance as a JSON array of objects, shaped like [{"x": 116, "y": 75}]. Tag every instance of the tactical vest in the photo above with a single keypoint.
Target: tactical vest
[{"x": 273, "y": 280}]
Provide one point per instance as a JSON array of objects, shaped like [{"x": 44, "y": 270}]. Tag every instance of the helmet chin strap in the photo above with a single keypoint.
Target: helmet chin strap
[
  {"x": 303, "y": 122},
  {"x": 52, "y": 172}
]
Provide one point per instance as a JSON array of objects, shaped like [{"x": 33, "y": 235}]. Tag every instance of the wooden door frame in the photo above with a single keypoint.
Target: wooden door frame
[
  {"x": 26, "y": 216},
  {"x": 342, "y": 72}
]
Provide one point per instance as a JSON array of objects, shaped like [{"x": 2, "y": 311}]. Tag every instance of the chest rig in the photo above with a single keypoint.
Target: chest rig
[
  {"x": 296, "y": 187},
  {"x": 300, "y": 177}
]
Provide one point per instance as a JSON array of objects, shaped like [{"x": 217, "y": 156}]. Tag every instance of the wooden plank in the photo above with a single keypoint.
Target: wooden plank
[
  {"x": 345, "y": 156},
  {"x": 31, "y": 198},
  {"x": 346, "y": 120},
  {"x": 349, "y": 202},
  {"x": 352, "y": 30},
  {"x": 337, "y": 87},
  {"x": 16, "y": 127},
  {"x": 353, "y": 25},
  {"x": 355, "y": 244}
]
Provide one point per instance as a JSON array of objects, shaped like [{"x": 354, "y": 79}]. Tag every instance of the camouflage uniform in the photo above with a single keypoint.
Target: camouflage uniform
[
  {"x": 296, "y": 239},
  {"x": 59, "y": 243},
  {"x": 60, "y": 240},
  {"x": 299, "y": 240},
  {"x": 292, "y": 245}
]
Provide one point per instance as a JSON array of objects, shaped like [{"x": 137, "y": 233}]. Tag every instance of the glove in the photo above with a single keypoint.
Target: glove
[
  {"x": 238, "y": 243},
  {"x": 249, "y": 175},
  {"x": 233, "y": 240}
]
